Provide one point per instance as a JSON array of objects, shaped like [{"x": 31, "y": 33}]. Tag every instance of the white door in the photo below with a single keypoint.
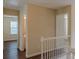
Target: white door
[{"x": 61, "y": 29}]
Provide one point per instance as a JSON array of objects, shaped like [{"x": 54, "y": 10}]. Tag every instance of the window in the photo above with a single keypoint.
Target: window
[{"x": 14, "y": 27}]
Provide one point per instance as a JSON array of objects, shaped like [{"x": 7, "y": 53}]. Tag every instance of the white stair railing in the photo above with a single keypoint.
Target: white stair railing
[{"x": 55, "y": 47}]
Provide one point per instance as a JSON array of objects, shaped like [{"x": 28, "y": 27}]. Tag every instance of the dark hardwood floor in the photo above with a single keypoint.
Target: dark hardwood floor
[{"x": 11, "y": 52}]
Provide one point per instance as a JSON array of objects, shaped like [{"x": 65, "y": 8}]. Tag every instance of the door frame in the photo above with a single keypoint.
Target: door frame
[{"x": 14, "y": 12}]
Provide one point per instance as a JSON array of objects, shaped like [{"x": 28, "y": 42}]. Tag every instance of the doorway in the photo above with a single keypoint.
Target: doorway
[
  {"x": 61, "y": 28},
  {"x": 10, "y": 30}
]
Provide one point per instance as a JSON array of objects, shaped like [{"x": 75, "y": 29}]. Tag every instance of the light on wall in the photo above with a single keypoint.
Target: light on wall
[{"x": 24, "y": 16}]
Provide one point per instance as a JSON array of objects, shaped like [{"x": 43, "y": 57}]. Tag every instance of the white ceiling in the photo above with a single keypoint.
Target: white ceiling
[
  {"x": 54, "y": 4},
  {"x": 13, "y": 4},
  {"x": 16, "y": 4}
]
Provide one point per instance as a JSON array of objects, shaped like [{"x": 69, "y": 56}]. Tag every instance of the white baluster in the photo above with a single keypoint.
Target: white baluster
[{"x": 42, "y": 47}]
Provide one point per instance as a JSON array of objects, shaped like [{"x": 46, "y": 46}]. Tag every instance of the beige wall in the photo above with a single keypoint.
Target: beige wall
[
  {"x": 7, "y": 28},
  {"x": 10, "y": 11},
  {"x": 41, "y": 22}
]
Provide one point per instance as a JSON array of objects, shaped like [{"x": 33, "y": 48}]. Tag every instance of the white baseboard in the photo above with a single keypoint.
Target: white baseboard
[
  {"x": 21, "y": 49},
  {"x": 38, "y": 53},
  {"x": 31, "y": 55}
]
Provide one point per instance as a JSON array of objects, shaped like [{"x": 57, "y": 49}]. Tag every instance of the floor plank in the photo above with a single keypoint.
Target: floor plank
[{"x": 11, "y": 52}]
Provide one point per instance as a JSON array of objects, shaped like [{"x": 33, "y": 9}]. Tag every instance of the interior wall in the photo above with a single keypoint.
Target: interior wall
[
  {"x": 41, "y": 22},
  {"x": 7, "y": 28},
  {"x": 10, "y": 11}
]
